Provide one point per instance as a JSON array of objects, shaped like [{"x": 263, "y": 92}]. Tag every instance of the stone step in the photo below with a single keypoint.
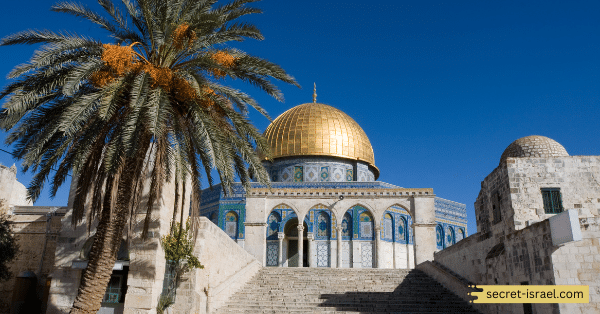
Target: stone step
[{"x": 326, "y": 290}]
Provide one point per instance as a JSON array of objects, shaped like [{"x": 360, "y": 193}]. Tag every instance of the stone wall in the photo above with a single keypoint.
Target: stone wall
[
  {"x": 576, "y": 176},
  {"x": 528, "y": 256},
  {"x": 146, "y": 256},
  {"x": 513, "y": 244},
  {"x": 227, "y": 267},
  {"x": 578, "y": 263},
  {"x": 31, "y": 233},
  {"x": 12, "y": 190}
]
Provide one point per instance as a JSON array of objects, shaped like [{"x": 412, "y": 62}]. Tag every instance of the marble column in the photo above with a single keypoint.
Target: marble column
[
  {"x": 338, "y": 230},
  {"x": 312, "y": 250},
  {"x": 280, "y": 236},
  {"x": 378, "y": 248},
  {"x": 300, "y": 245}
]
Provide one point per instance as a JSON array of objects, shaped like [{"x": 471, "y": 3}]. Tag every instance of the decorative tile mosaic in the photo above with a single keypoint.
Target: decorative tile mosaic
[
  {"x": 366, "y": 225},
  {"x": 349, "y": 175},
  {"x": 273, "y": 223},
  {"x": 231, "y": 224},
  {"x": 323, "y": 254},
  {"x": 323, "y": 225},
  {"x": 338, "y": 174},
  {"x": 347, "y": 226},
  {"x": 366, "y": 249},
  {"x": 402, "y": 230},
  {"x": 298, "y": 174},
  {"x": 272, "y": 253},
  {"x": 311, "y": 173},
  {"x": 324, "y": 174}
]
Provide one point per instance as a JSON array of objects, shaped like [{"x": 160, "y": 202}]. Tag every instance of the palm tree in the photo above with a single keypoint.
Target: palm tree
[{"x": 152, "y": 103}]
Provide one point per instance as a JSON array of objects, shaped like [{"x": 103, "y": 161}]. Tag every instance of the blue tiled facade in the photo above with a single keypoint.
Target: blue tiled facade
[{"x": 451, "y": 217}]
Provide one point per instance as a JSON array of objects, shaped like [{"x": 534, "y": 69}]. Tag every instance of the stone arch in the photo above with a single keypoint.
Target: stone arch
[
  {"x": 332, "y": 221},
  {"x": 404, "y": 216},
  {"x": 402, "y": 206},
  {"x": 287, "y": 206},
  {"x": 287, "y": 212},
  {"x": 292, "y": 238},
  {"x": 290, "y": 230},
  {"x": 370, "y": 209}
]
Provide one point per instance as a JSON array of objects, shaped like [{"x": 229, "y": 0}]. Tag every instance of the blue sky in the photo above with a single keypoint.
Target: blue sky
[{"x": 440, "y": 87}]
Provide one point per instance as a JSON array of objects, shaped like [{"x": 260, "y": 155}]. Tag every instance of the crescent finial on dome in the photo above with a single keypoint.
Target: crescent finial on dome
[{"x": 315, "y": 93}]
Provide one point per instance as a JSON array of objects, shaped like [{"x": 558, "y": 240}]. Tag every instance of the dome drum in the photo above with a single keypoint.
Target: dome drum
[{"x": 319, "y": 169}]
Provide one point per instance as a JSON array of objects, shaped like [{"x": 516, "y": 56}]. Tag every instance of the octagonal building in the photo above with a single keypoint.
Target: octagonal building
[{"x": 323, "y": 174}]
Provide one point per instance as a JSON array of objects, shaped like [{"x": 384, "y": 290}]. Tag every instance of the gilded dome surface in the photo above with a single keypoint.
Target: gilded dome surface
[
  {"x": 315, "y": 129},
  {"x": 534, "y": 146}
]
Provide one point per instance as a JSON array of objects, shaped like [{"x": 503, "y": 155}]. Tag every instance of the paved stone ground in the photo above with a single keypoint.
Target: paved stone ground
[{"x": 326, "y": 290}]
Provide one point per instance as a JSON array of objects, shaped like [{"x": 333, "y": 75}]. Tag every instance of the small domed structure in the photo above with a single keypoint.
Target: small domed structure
[{"x": 534, "y": 146}]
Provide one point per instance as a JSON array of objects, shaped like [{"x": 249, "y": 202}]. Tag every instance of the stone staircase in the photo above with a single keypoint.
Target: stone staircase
[{"x": 329, "y": 290}]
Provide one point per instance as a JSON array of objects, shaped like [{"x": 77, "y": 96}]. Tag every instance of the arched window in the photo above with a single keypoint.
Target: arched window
[
  {"x": 273, "y": 226},
  {"x": 450, "y": 239},
  {"x": 366, "y": 225},
  {"x": 402, "y": 230},
  {"x": 231, "y": 223},
  {"x": 461, "y": 234},
  {"x": 439, "y": 237},
  {"x": 323, "y": 226},
  {"x": 347, "y": 227},
  {"x": 388, "y": 227}
]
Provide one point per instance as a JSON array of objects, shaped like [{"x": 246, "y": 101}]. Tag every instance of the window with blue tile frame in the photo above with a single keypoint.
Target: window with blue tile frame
[
  {"x": 273, "y": 225},
  {"x": 388, "y": 227},
  {"x": 403, "y": 230},
  {"x": 439, "y": 237},
  {"x": 323, "y": 226},
  {"x": 366, "y": 225},
  {"x": 347, "y": 226},
  {"x": 231, "y": 224},
  {"x": 450, "y": 238}
]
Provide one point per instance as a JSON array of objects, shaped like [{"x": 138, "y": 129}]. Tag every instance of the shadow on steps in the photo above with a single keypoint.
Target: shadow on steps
[{"x": 417, "y": 293}]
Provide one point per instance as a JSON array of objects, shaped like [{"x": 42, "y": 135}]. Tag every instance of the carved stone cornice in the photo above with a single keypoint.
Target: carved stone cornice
[{"x": 336, "y": 193}]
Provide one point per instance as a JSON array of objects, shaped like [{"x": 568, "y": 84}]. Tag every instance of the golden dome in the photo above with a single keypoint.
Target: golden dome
[{"x": 315, "y": 129}]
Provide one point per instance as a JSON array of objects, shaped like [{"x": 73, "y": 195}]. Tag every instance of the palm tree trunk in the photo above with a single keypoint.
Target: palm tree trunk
[{"x": 106, "y": 243}]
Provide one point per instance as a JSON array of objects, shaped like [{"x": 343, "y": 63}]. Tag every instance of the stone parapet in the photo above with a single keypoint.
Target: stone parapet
[{"x": 227, "y": 268}]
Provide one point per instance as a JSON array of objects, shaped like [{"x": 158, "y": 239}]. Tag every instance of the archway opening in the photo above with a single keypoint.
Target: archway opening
[{"x": 291, "y": 234}]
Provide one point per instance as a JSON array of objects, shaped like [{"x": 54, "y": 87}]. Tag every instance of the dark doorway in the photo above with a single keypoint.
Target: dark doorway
[
  {"x": 305, "y": 253},
  {"x": 293, "y": 253}
]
